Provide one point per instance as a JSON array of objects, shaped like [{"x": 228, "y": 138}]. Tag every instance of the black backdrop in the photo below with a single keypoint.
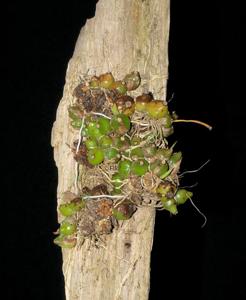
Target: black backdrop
[{"x": 206, "y": 52}]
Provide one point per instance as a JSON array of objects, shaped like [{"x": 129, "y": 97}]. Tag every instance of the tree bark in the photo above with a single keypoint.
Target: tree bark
[{"x": 124, "y": 36}]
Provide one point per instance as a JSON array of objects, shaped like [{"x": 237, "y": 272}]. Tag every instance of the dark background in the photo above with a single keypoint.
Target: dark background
[{"x": 205, "y": 74}]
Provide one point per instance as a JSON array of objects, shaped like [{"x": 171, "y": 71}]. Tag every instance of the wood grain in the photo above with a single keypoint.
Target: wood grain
[{"x": 124, "y": 35}]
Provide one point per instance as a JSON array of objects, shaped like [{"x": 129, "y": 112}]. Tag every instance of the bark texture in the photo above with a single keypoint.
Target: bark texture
[{"x": 124, "y": 35}]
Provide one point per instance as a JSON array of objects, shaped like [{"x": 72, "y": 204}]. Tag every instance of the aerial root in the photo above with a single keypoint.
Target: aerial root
[{"x": 193, "y": 121}]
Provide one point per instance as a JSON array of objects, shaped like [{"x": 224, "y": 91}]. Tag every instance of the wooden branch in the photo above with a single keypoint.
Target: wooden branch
[{"x": 124, "y": 36}]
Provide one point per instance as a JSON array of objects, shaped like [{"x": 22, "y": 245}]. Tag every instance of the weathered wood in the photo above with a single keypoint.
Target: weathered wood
[{"x": 124, "y": 35}]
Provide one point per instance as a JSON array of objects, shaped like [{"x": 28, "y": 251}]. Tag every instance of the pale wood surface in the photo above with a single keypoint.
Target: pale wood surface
[{"x": 124, "y": 35}]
